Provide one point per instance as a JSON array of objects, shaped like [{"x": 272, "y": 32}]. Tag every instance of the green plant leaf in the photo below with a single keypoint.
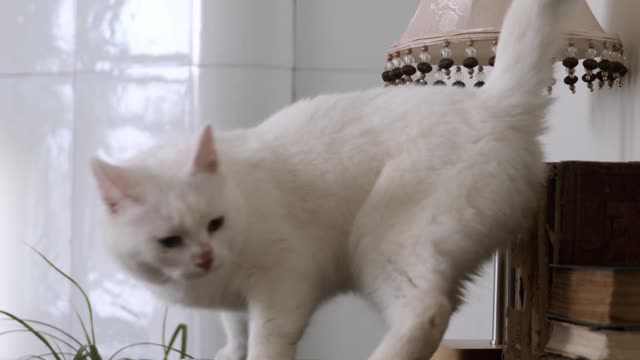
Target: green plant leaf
[
  {"x": 61, "y": 352},
  {"x": 164, "y": 325},
  {"x": 165, "y": 348},
  {"x": 30, "y": 321},
  {"x": 93, "y": 352},
  {"x": 90, "y": 350},
  {"x": 84, "y": 328},
  {"x": 87, "y": 352},
  {"x": 84, "y": 294},
  {"x": 82, "y": 353},
  {"x": 182, "y": 328},
  {"x": 33, "y": 331}
]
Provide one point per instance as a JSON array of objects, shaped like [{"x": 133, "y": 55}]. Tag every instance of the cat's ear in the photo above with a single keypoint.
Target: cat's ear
[
  {"x": 206, "y": 158},
  {"x": 113, "y": 184}
]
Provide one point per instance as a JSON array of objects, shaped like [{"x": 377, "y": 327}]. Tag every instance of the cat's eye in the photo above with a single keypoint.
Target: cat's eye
[
  {"x": 215, "y": 224},
  {"x": 170, "y": 241}
]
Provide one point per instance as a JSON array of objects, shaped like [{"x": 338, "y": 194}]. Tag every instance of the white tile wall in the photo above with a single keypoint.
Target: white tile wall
[
  {"x": 310, "y": 83},
  {"x": 335, "y": 34},
  {"x": 231, "y": 97},
  {"x": 244, "y": 32}
]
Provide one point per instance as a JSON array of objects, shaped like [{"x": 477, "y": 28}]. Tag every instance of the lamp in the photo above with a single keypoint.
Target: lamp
[{"x": 457, "y": 39}]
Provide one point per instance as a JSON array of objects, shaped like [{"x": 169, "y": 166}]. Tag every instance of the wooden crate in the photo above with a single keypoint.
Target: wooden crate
[
  {"x": 588, "y": 214},
  {"x": 467, "y": 350},
  {"x": 526, "y": 326},
  {"x": 595, "y": 213}
]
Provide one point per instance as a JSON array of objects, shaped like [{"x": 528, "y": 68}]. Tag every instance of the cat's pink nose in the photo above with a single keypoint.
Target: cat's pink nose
[{"x": 206, "y": 260}]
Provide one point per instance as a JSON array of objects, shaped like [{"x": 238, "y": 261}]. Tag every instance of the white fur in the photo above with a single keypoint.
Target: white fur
[{"x": 398, "y": 194}]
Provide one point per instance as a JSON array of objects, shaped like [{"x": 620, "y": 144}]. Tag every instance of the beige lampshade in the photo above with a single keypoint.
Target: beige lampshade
[{"x": 460, "y": 23}]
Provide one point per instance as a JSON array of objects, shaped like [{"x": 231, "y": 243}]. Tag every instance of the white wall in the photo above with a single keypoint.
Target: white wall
[{"x": 603, "y": 125}]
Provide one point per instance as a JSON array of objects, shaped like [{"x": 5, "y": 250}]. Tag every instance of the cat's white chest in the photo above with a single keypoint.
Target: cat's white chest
[{"x": 202, "y": 293}]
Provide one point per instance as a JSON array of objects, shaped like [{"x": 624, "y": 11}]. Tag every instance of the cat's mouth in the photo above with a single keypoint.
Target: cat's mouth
[
  {"x": 202, "y": 268},
  {"x": 205, "y": 264}
]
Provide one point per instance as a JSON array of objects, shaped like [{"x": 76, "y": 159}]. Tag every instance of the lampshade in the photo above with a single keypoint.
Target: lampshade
[{"x": 457, "y": 38}]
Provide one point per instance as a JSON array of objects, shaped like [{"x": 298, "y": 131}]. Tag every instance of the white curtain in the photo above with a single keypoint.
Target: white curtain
[{"x": 79, "y": 78}]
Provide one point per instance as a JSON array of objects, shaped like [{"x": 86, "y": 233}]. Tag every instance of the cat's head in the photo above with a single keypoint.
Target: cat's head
[{"x": 168, "y": 212}]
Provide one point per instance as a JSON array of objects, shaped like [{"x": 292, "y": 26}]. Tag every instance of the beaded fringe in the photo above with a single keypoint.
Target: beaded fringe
[{"x": 609, "y": 70}]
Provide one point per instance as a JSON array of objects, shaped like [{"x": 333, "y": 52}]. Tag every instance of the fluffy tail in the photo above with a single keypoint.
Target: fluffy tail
[{"x": 530, "y": 36}]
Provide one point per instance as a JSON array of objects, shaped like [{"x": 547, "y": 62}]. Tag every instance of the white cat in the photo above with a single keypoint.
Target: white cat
[{"x": 398, "y": 194}]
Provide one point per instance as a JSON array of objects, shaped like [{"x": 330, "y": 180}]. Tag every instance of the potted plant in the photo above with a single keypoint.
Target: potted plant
[{"x": 64, "y": 346}]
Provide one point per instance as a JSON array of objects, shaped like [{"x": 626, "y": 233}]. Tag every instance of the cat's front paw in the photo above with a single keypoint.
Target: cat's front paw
[{"x": 231, "y": 353}]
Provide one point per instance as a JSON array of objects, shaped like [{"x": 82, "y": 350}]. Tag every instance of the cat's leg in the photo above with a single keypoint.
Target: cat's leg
[
  {"x": 412, "y": 287},
  {"x": 277, "y": 319},
  {"x": 399, "y": 266},
  {"x": 235, "y": 327},
  {"x": 416, "y": 327}
]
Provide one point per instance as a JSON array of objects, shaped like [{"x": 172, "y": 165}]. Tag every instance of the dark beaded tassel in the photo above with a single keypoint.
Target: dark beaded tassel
[
  {"x": 589, "y": 79},
  {"x": 480, "y": 77},
  {"x": 397, "y": 71},
  {"x": 471, "y": 61},
  {"x": 571, "y": 80},
  {"x": 396, "y": 75},
  {"x": 590, "y": 64},
  {"x": 600, "y": 78},
  {"x": 618, "y": 70},
  {"x": 446, "y": 62},
  {"x": 623, "y": 69},
  {"x": 458, "y": 78},
  {"x": 570, "y": 62},
  {"x": 408, "y": 70},
  {"x": 605, "y": 65},
  {"x": 386, "y": 74},
  {"x": 424, "y": 69},
  {"x": 386, "y": 77},
  {"x": 439, "y": 77},
  {"x": 423, "y": 66}
]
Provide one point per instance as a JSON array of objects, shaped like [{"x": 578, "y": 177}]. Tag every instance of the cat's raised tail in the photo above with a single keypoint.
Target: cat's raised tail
[{"x": 531, "y": 34}]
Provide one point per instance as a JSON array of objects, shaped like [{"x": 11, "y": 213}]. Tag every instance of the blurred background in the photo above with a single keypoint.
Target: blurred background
[{"x": 85, "y": 77}]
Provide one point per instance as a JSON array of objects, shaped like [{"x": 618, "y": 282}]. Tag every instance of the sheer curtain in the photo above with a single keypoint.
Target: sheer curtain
[{"x": 109, "y": 78}]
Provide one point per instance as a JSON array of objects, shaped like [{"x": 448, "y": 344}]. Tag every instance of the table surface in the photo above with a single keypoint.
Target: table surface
[{"x": 468, "y": 350}]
